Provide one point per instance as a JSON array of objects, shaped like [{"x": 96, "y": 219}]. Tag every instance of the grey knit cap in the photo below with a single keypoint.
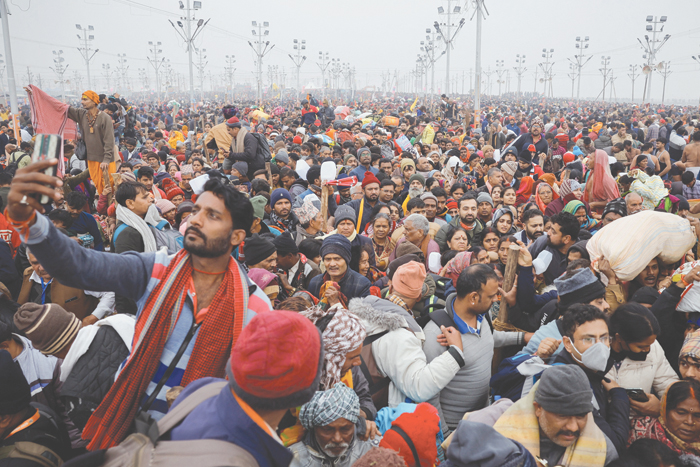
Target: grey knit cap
[
  {"x": 565, "y": 390},
  {"x": 484, "y": 198},
  {"x": 345, "y": 212}
]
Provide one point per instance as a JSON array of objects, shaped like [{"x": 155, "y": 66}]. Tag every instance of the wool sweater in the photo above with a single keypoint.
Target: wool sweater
[{"x": 469, "y": 388}]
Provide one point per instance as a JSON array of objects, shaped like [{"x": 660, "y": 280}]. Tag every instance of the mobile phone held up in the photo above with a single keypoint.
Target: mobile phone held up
[
  {"x": 637, "y": 395},
  {"x": 46, "y": 148}
]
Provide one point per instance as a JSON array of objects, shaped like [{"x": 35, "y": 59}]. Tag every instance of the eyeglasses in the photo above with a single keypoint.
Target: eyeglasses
[{"x": 593, "y": 340}]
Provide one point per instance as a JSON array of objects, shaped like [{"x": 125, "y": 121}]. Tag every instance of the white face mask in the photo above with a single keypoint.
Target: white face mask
[{"x": 595, "y": 357}]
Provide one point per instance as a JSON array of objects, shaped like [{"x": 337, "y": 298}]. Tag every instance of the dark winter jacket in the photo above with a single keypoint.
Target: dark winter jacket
[{"x": 352, "y": 285}]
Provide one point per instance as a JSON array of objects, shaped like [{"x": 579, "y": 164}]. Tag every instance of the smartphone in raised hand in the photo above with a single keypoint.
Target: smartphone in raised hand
[{"x": 47, "y": 148}]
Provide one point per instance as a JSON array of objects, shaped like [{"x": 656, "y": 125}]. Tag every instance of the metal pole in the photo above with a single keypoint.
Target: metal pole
[
  {"x": 8, "y": 55},
  {"x": 449, "y": 38},
  {"x": 477, "y": 65},
  {"x": 190, "y": 63}
]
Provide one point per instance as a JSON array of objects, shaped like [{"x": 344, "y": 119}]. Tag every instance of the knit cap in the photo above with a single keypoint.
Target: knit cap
[
  {"x": 49, "y": 327},
  {"x": 484, "y": 198},
  {"x": 15, "y": 395},
  {"x": 407, "y": 161},
  {"x": 564, "y": 390},
  {"x": 421, "y": 427},
  {"x": 345, "y": 212},
  {"x": 418, "y": 177},
  {"x": 277, "y": 360},
  {"x": 285, "y": 244},
  {"x": 259, "y": 203},
  {"x": 257, "y": 249},
  {"x": 164, "y": 205},
  {"x": 279, "y": 194},
  {"x": 369, "y": 178},
  {"x": 510, "y": 167},
  {"x": 408, "y": 279},
  {"x": 582, "y": 287},
  {"x": 297, "y": 140},
  {"x": 171, "y": 189},
  {"x": 398, "y": 262},
  {"x": 337, "y": 244},
  {"x": 241, "y": 167},
  {"x": 282, "y": 156},
  {"x": 362, "y": 150}
]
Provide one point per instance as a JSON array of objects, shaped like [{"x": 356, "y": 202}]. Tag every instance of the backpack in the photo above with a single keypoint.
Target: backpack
[
  {"x": 516, "y": 376},
  {"x": 14, "y": 164},
  {"x": 152, "y": 449},
  {"x": 263, "y": 152},
  {"x": 164, "y": 234},
  {"x": 378, "y": 383},
  {"x": 386, "y": 152}
]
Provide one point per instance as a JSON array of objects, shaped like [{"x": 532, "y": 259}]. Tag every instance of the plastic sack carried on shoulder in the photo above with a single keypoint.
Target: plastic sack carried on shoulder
[
  {"x": 690, "y": 298},
  {"x": 651, "y": 189},
  {"x": 428, "y": 135},
  {"x": 630, "y": 243}
]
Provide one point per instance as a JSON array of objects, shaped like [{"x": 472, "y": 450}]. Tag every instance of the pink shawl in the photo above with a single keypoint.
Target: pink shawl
[{"x": 604, "y": 185}]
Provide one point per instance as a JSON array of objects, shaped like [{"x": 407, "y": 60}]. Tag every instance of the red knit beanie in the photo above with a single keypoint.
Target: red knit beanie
[
  {"x": 421, "y": 427},
  {"x": 277, "y": 361},
  {"x": 171, "y": 189},
  {"x": 369, "y": 178}
]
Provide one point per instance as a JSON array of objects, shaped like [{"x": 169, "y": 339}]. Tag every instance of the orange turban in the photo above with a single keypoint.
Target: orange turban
[{"x": 92, "y": 95}]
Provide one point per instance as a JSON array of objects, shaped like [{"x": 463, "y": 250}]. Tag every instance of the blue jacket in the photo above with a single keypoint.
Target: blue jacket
[
  {"x": 222, "y": 418},
  {"x": 352, "y": 285},
  {"x": 360, "y": 170}
]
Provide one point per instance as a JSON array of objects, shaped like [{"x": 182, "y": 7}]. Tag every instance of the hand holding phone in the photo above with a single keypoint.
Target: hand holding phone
[{"x": 47, "y": 148}]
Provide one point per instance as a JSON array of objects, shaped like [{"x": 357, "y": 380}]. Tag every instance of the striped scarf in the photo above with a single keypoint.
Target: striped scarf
[
  {"x": 520, "y": 423},
  {"x": 111, "y": 421}
]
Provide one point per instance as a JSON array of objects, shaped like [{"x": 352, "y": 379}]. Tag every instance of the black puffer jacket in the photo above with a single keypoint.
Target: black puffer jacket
[{"x": 93, "y": 375}]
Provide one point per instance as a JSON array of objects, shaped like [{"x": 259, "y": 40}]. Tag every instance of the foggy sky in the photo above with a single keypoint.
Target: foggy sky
[{"x": 376, "y": 37}]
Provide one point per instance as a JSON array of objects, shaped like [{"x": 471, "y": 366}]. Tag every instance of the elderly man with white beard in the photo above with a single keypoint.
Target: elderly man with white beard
[{"x": 329, "y": 419}]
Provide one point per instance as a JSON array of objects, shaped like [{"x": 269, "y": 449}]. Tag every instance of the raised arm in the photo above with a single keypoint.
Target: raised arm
[{"x": 72, "y": 265}]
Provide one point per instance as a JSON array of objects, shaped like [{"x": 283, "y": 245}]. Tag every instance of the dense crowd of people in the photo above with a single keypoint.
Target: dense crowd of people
[{"x": 374, "y": 282}]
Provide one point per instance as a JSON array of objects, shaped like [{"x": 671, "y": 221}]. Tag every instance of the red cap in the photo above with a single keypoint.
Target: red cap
[
  {"x": 369, "y": 178},
  {"x": 277, "y": 355},
  {"x": 568, "y": 157},
  {"x": 297, "y": 140},
  {"x": 531, "y": 148},
  {"x": 420, "y": 427},
  {"x": 233, "y": 121},
  {"x": 451, "y": 204}
]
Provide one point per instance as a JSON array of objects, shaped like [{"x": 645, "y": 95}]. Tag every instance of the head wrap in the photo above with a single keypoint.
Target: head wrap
[
  {"x": 408, "y": 279},
  {"x": 328, "y": 406},
  {"x": 679, "y": 444},
  {"x": 618, "y": 206},
  {"x": 92, "y": 95},
  {"x": 565, "y": 390},
  {"x": 456, "y": 265},
  {"x": 344, "y": 333},
  {"x": 308, "y": 210},
  {"x": 691, "y": 346},
  {"x": 337, "y": 244},
  {"x": 604, "y": 185},
  {"x": 567, "y": 187},
  {"x": 525, "y": 190},
  {"x": 264, "y": 279}
]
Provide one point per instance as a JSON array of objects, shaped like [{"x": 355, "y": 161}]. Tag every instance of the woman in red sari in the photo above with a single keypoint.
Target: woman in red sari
[{"x": 601, "y": 187}]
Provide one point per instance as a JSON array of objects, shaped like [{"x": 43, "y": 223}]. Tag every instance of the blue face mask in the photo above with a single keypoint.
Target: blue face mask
[{"x": 595, "y": 357}]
